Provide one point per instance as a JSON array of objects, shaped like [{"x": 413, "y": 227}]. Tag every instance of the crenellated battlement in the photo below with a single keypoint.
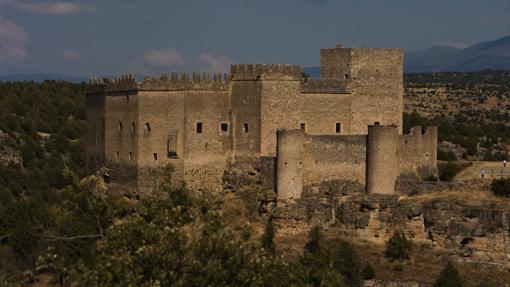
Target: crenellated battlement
[
  {"x": 123, "y": 83},
  {"x": 185, "y": 81},
  {"x": 325, "y": 86},
  {"x": 254, "y": 72},
  {"x": 166, "y": 82}
]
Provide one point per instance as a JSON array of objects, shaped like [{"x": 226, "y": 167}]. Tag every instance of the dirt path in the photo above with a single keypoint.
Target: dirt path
[{"x": 491, "y": 170}]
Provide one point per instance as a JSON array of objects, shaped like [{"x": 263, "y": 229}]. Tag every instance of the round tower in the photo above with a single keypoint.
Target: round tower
[
  {"x": 289, "y": 177},
  {"x": 382, "y": 159}
]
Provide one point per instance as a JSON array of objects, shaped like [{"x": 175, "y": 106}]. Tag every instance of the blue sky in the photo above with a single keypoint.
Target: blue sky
[{"x": 110, "y": 37}]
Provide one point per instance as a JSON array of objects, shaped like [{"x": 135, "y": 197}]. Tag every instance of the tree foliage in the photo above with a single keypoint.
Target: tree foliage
[
  {"x": 398, "y": 247},
  {"x": 449, "y": 277}
]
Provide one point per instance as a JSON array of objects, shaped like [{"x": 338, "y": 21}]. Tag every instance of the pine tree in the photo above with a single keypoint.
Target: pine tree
[
  {"x": 268, "y": 237},
  {"x": 348, "y": 263},
  {"x": 398, "y": 247},
  {"x": 449, "y": 277},
  {"x": 315, "y": 240}
]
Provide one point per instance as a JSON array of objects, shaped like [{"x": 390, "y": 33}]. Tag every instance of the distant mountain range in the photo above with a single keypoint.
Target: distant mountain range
[{"x": 493, "y": 55}]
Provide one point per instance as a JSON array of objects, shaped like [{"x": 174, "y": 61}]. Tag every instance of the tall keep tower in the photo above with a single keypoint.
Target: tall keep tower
[{"x": 375, "y": 76}]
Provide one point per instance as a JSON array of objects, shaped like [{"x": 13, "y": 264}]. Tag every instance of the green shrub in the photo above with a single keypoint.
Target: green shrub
[
  {"x": 398, "y": 247},
  {"x": 448, "y": 171},
  {"x": 446, "y": 155},
  {"x": 501, "y": 187},
  {"x": 268, "y": 237},
  {"x": 449, "y": 277},
  {"x": 347, "y": 261},
  {"x": 368, "y": 271},
  {"x": 315, "y": 241}
]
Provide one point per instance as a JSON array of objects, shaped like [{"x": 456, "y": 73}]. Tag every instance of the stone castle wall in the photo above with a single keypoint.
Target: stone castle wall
[
  {"x": 418, "y": 153},
  {"x": 239, "y": 115},
  {"x": 374, "y": 161}
]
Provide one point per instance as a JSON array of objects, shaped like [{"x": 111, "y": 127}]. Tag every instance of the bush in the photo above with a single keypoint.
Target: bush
[
  {"x": 449, "y": 277},
  {"x": 501, "y": 187},
  {"x": 315, "y": 241},
  {"x": 268, "y": 237},
  {"x": 368, "y": 271},
  {"x": 398, "y": 247},
  {"x": 446, "y": 155},
  {"x": 448, "y": 171},
  {"x": 348, "y": 263}
]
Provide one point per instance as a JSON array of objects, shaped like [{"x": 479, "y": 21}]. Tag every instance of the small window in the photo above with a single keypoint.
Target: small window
[
  {"x": 246, "y": 128},
  {"x": 147, "y": 127},
  {"x": 171, "y": 145},
  {"x": 376, "y": 123},
  {"x": 104, "y": 125},
  {"x": 346, "y": 76},
  {"x": 133, "y": 125},
  {"x": 303, "y": 127},
  {"x": 224, "y": 127},
  {"x": 117, "y": 155},
  {"x": 199, "y": 128},
  {"x": 155, "y": 155},
  {"x": 338, "y": 128},
  {"x": 120, "y": 126},
  {"x": 130, "y": 155},
  {"x": 127, "y": 98}
]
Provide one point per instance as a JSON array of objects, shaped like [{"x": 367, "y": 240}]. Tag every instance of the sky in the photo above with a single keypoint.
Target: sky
[{"x": 111, "y": 37}]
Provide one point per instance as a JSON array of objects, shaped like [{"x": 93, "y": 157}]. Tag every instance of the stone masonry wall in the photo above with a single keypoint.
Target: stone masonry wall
[
  {"x": 377, "y": 76},
  {"x": 95, "y": 132},
  {"x": 418, "y": 152},
  {"x": 304, "y": 160},
  {"x": 328, "y": 158},
  {"x": 121, "y": 149}
]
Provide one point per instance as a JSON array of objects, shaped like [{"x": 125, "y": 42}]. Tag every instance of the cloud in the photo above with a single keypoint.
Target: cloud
[
  {"x": 163, "y": 57},
  {"x": 51, "y": 8},
  {"x": 215, "y": 63},
  {"x": 71, "y": 56},
  {"x": 13, "y": 39},
  {"x": 457, "y": 45}
]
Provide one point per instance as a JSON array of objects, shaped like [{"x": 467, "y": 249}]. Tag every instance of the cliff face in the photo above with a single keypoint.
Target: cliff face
[{"x": 468, "y": 225}]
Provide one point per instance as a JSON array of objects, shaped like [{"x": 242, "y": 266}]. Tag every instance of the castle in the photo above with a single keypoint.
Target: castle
[{"x": 294, "y": 130}]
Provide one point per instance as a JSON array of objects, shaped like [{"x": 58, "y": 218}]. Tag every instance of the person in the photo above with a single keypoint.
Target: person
[{"x": 482, "y": 172}]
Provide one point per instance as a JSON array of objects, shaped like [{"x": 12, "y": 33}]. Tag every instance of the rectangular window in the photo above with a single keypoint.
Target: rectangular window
[
  {"x": 172, "y": 145},
  {"x": 155, "y": 155},
  {"x": 303, "y": 127},
  {"x": 338, "y": 128},
  {"x": 117, "y": 155},
  {"x": 246, "y": 128},
  {"x": 199, "y": 128},
  {"x": 130, "y": 156},
  {"x": 120, "y": 126},
  {"x": 224, "y": 127}
]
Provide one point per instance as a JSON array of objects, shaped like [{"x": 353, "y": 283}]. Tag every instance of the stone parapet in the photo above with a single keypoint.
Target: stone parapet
[
  {"x": 166, "y": 82},
  {"x": 275, "y": 72}
]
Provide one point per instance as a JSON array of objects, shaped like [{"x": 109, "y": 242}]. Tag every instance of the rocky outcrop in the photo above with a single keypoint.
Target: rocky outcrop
[{"x": 469, "y": 226}]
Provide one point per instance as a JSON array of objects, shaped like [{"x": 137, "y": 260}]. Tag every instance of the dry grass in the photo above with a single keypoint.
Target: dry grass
[{"x": 424, "y": 265}]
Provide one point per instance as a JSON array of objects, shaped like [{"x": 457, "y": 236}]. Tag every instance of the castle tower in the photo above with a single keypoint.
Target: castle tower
[
  {"x": 265, "y": 98},
  {"x": 375, "y": 76},
  {"x": 382, "y": 159},
  {"x": 290, "y": 145}
]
